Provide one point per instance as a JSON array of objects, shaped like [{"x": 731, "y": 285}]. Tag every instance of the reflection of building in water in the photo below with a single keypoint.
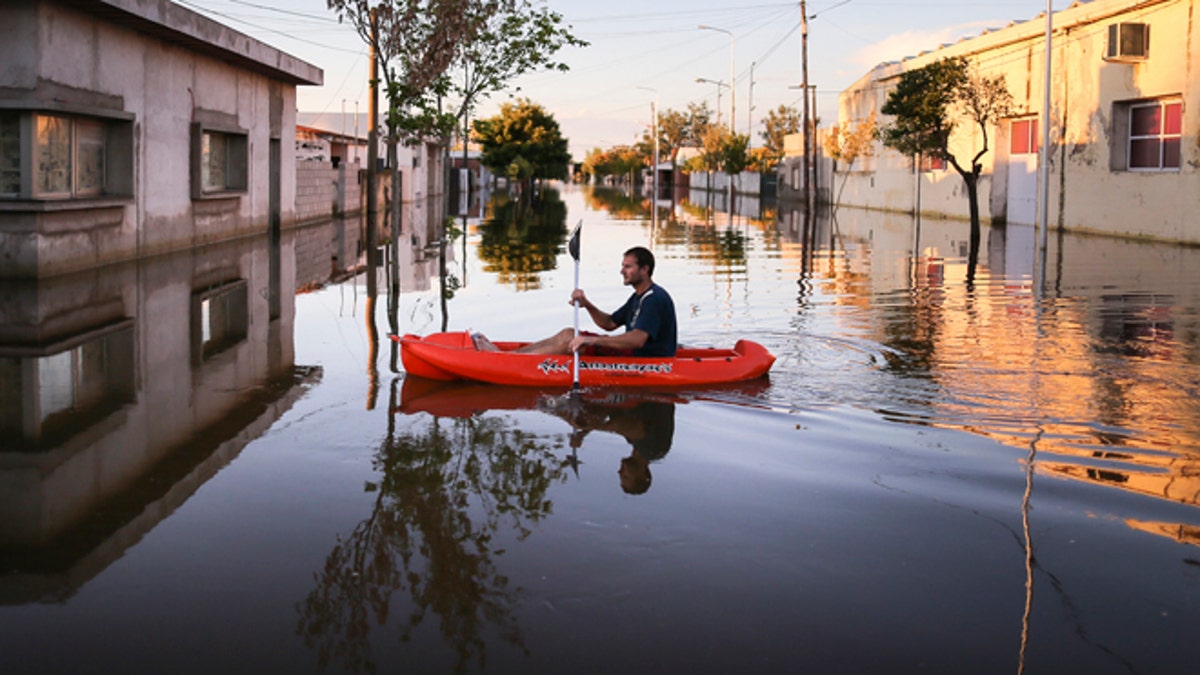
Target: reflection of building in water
[
  {"x": 1102, "y": 368},
  {"x": 125, "y": 388},
  {"x": 1174, "y": 478}
]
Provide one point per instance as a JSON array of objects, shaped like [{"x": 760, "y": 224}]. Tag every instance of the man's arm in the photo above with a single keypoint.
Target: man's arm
[{"x": 601, "y": 318}]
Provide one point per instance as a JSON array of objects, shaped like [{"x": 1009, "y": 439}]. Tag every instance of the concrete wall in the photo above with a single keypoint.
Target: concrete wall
[
  {"x": 97, "y": 57},
  {"x": 1090, "y": 190},
  {"x": 746, "y": 182}
]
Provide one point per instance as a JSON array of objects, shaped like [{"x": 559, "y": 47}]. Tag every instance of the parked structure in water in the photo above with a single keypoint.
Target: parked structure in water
[
  {"x": 137, "y": 127},
  {"x": 1123, "y": 155}
]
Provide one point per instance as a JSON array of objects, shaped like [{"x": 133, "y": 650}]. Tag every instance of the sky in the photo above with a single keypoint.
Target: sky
[{"x": 644, "y": 53}]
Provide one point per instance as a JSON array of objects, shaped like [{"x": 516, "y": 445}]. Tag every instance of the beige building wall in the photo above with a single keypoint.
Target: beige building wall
[{"x": 1091, "y": 188}]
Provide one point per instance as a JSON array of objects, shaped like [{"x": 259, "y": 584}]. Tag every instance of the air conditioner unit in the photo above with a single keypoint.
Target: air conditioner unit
[{"x": 1128, "y": 42}]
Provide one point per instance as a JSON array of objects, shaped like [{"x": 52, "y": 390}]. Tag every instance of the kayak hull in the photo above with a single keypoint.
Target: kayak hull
[{"x": 453, "y": 356}]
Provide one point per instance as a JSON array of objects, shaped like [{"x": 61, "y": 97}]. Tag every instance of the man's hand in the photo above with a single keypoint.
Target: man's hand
[
  {"x": 578, "y": 296},
  {"x": 582, "y": 341}
]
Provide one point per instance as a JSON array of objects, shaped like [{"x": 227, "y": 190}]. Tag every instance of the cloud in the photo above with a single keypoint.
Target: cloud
[{"x": 910, "y": 43}]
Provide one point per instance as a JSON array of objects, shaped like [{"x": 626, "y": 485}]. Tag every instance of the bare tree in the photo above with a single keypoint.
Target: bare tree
[{"x": 845, "y": 143}]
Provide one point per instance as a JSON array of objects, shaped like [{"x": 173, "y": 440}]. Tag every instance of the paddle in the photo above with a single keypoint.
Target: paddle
[{"x": 573, "y": 249}]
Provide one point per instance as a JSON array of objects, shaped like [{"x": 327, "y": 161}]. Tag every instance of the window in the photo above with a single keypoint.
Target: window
[
  {"x": 66, "y": 156},
  {"x": 10, "y": 153},
  {"x": 220, "y": 319},
  {"x": 220, "y": 160},
  {"x": 931, "y": 163},
  {"x": 62, "y": 387},
  {"x": 1154, "y": 135},
  {"x": 1024, "y": 139}
]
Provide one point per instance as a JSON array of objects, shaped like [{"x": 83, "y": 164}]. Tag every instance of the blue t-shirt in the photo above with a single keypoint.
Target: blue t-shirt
[{"x": 653, "y": 313}]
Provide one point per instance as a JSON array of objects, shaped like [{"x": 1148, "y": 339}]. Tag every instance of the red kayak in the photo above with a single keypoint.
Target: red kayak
[{"x": 453, "y": 356}]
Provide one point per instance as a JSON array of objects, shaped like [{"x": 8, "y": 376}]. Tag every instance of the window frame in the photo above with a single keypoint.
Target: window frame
[
  {"x": 1161, "y": 136},
  {"x": 1031, "y": 133},
  {"x": 220, "y": 317},
  {"x": 236, "y": 147},
  {"x": 109, "y": 134}
]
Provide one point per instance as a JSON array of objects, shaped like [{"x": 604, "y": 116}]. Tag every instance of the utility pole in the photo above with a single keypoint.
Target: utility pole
[
  {"x": 1044, "y": 173},
  {"x": 750, "y": 111},
  {"x": 372, "y": 162},
  {"x": 807, "y": 165}
]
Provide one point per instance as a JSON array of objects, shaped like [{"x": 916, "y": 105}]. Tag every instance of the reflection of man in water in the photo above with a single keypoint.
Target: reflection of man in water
[{"x": 648, "y": 425}]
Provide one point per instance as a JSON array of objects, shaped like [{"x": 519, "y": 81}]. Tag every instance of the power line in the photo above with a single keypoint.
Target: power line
[{"x": 290, "y": 36}]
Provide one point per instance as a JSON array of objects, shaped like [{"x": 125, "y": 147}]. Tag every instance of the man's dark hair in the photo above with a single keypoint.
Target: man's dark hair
[{"x": 644, "y": 258}]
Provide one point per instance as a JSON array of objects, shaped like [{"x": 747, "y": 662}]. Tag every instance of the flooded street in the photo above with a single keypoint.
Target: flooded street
[{"x": 940, "y": 474}]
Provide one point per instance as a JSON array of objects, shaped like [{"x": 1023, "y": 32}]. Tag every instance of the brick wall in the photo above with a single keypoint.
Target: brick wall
[{"x": 316, "y": 191}]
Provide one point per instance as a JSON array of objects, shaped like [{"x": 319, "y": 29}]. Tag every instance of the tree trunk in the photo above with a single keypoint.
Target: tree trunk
[{"x": 972, "y": 182}]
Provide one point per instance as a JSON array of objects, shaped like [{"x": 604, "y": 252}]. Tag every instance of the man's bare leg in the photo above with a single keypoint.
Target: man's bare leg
[{"x": 559, "y": 343}]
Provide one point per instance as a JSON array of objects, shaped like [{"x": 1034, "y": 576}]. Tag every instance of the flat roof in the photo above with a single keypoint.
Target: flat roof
[{"x": 178, "y": 25}]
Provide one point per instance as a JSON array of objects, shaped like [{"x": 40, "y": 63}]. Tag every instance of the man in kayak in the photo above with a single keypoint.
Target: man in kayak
[{"x": 648, "y": 317}]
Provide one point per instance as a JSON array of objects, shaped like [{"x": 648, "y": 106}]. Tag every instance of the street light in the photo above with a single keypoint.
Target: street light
[
  {"x": 719, "y": 83},
  {"x": 732, "y": 78}
]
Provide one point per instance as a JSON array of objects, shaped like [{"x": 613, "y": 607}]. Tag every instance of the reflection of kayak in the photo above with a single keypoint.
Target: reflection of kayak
[
  {"x": 451, "y": 356},
  {"x": 464, "y": 398}
]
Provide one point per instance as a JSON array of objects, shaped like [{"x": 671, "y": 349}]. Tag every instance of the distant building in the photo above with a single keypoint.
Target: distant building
[
  {"x": 136, "y": 127},
  {"x": 319, "y": 145},
  {"x": 331, "y": 151},
  {"x": 1123, "y": 156}
]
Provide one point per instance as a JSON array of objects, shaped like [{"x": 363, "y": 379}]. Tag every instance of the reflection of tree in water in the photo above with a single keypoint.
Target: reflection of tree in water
[
  {"x": 422, "y": 538},
  {"x": 618, "y": 203},
  {"x": 519, "y": 242}
]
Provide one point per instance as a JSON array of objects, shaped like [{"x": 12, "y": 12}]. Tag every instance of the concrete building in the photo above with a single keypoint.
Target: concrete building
[
  {"x": 131, "y": 128},
  {"x": 1123, "y": 153}
]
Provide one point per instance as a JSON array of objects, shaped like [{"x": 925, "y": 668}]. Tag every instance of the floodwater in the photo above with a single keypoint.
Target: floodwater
[{"x": 202, "y": 472}]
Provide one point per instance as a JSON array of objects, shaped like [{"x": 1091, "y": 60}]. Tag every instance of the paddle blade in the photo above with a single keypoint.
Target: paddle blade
[{"x": 573, "y": 245}]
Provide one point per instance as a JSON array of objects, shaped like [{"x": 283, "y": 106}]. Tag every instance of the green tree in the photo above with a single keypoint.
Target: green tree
[
  {"x": 415, "y": 41},
  {"x": 927, "y": 105},
  {"x": 735, "y": 157},
  {"x": 523, "y": 129},
  {"x": 517, "y": 39},
  {"x": 680, "y": 129},
  {"x": 620, "y": 161},
  {"x": 779, "y": 123}
]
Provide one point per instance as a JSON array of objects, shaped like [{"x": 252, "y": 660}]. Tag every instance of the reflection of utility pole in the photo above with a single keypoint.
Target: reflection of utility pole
[{"x": 808, "y": 206}]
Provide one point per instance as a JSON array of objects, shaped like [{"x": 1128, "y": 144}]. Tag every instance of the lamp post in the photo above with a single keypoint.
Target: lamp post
[
  {"x": 732, "y": 78},
  {"x": 719, "y": 83}
]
